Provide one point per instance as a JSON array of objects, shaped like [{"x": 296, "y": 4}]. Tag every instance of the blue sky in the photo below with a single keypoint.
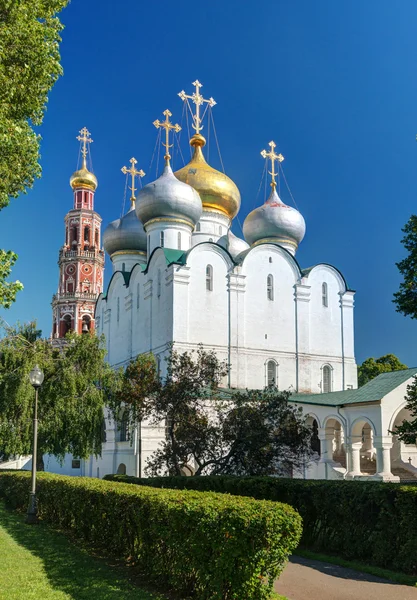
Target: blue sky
[{"x": 333, "y": 83}]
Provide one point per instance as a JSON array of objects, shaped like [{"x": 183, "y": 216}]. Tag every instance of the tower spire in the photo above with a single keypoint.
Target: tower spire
[
  {"x": 168, "y": 126},
  {"x": 198, "y": 100},
  {"x": 84, "y": 138},
  {"x": 273, "y": 157},
  {"x": 133, "y": 172}
]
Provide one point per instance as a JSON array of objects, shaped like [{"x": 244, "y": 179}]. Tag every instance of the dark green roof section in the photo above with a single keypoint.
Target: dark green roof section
[
  {"x": 373, "y": 391},
  {"x": 177, "y": 257}
]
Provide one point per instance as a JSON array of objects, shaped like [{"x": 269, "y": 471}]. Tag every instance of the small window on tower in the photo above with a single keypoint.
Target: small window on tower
[
  {"x": 137, "y": 295},
  {"x": 198, "y": 227},
  {"x": 179, "y": 240},
  {"x": 327, "y": 379},
  {"x": 270, "y": 287},
  {"x": 324, "y": 297},
  {"x": 162, "y": 239},
  {"x": 271, "y": 373},
  {"x": 118, "y": 310},
  {"x": 209, "y": 278}
]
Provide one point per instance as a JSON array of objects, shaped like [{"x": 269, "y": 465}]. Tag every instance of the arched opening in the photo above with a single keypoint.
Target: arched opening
[
  {"x": 362, "y": 439},
  {"x": 335, "y": 441},
  {"x": 271, "y": 373},
  {"x": 121, "y": 469},
  {"x": 86, "y": 324},
  {"x": 403, "y": 456},
  {"x": 314, "y": 440},
  {"x": 270, "y": 287},
  {"x": 326, "y": 379},
  {"x": 209, "y": 278},
  {"x": 66, "y": 325},
  {"x": 87, "y": 234}
]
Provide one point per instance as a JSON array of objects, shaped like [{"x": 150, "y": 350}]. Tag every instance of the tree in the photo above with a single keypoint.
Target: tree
[
  {"x": 372, "y": 367},
  {"x": 29, "y": 67},
  {"x": 406, "y": 298},
  {"x": 210, "y": 430},
  {"x": 407, "y": 431},
  {"x": 78, "y": 385}
]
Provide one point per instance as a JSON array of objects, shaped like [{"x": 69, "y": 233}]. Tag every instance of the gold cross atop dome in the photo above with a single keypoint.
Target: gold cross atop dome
[
  {"x": 133, "y": 172},
  {"x": 198, "y": 100},
  {"x": 273, "y": 157},
  {"x": 84, "y": 138},
  {"x": 168, "y": 126}
]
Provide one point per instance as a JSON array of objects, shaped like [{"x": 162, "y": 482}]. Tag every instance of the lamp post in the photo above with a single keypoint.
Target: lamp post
[{"x": 36, "y": 379}]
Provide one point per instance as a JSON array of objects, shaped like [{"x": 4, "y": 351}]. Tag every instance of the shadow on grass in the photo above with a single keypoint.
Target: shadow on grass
[{"x": 71, "y": 569}]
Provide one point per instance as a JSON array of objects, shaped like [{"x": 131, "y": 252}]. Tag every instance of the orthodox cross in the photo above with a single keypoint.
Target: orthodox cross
[
  {"x": 133, "y": 172},
  {"x": 167, "y": 125},
  {"x": 85, "y": 139},
  {"x": 198, "y": 100},
  {"x": 273, "y": 157}
]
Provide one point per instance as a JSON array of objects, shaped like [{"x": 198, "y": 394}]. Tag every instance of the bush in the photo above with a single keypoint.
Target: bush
[
  {"x": 368, "y": 521},
  {"x": 207, "y": 546}
]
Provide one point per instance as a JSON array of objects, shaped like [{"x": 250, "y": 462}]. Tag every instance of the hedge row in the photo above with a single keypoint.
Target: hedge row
[
  {"x": 202, "y": 545},
  {"x": 372, "y": 522}
]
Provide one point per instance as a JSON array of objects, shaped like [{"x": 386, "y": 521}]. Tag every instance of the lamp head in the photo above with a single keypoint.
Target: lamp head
[{"x": 36, "y": 377}]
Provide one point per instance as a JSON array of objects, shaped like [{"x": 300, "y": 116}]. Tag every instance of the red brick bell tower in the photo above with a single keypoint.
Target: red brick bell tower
[{"x": 81, "y": 260}]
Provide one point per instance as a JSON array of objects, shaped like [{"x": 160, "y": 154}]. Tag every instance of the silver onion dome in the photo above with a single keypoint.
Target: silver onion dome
[
  {"x": 233, "y": 244},
  {"x": 169, "y": 199},
  {"x": 126, "y": 233},
  {"x": 275, "y": 222}
]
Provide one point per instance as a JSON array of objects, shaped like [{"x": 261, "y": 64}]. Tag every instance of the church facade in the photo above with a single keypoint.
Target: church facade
[{"x": 180, "y": 276}]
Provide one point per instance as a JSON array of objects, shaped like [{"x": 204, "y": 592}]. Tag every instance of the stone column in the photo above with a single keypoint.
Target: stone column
[
  {"x": 326, "y": 444},
  {"x": 354, "y": 459},
  {"x": 383, "y": 445}
]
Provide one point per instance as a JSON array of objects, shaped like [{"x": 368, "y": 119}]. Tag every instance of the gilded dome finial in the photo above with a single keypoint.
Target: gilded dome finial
[
  {"x": 273, "y": 157},
  {"x": 133, "y": 172},
  {"x": 168, "y": 126},
  {"x": 198, "y": 100},
  {"x": 83, "y": 178}
]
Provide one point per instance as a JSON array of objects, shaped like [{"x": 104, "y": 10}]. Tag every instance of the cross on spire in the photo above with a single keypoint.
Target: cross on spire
[
  {"x": 168, "y": 126},
  {"x": 133, "y": 172},
  {"x": 85, "y": 139},
  {"x": 198, "y": 100},
  {"x": 273, "y": 157}
]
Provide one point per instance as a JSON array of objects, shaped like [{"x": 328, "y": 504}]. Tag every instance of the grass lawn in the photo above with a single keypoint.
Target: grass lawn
[{"x": 37, "y": 563}]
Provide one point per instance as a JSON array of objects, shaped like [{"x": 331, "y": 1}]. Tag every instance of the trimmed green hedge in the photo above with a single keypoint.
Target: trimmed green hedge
[
  {"x": 202, "y": 545},
  {"x": 372, "y": 522}
]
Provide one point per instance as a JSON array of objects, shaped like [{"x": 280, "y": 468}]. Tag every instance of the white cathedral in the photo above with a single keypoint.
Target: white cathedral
[{"x": 181, "y": 276}]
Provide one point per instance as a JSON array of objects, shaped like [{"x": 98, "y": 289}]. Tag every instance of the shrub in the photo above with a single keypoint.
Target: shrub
[
  {"x": 369, "y": 521},
  {"x": 203, "y": 545}
]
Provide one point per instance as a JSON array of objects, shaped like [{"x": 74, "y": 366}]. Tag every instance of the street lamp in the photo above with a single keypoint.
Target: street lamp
[{"x": 36, "y": 379}]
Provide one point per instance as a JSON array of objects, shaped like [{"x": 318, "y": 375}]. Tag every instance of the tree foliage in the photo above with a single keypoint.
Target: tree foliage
[
  {"x": 210, "y": 430},
  {"x": 407, "y": 431},
  {"x": 406, "y": 297},
  {"x": 372, "y": 367},
  {"x": 78, "y": 384},
  {"x": 29, "y": 67}
]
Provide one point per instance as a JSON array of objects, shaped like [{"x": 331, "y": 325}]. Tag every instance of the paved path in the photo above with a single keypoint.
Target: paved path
[{"x": 306, "y": 579}]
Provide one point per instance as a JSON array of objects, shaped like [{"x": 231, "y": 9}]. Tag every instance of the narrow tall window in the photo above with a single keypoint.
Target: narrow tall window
[
  {"x": 220, "y": 230},
  {"x": 123, "y": 267},
  {"x": 270, "y": 287},
  {"x": 272, "y": 373},
  {"x": 118, "y": 309},
  {"x": 149, "y": 245},
  {"x": 179, "y": 240},
  {"x": 124, "y": 428},
  {"x": 324, "y": 296},
  {"x": 159, "y": 283},
  {"x": 209, "y": 278},
  {"x": 137, "y": 296},
  {"x": 327, "y": 379},
  {"x": 162, "y": 239},
  {"x": 198, "y": 228}
]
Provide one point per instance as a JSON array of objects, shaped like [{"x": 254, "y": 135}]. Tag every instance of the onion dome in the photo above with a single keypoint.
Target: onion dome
[
  {"x": 275, "y": 222},
  {"x": 217, "y": 191},
  {"x": 125, "y": 234},
  {"x": 233, "y": 244},
  {"x": 168, "y": 199},
  {"x": 83, "y": 178}
]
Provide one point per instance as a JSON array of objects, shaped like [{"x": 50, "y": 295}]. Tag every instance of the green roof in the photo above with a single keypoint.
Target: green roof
[
  {"x": 373, "y": 391},
  {"x": 174, "y": 256}
]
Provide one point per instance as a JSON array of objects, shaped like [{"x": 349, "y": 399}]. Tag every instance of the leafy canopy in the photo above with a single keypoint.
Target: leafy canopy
[
  {"x": 372, "y": 367},
  {"x": 210, "y": 430},
  {"x": 77, "y": 386},
  {"x": 407, "y": 431},
  {"x": 406, "y": 297},
  {"x": 29, "y": 67}
]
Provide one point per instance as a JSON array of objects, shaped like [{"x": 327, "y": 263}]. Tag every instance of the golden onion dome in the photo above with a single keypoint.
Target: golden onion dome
[
  {"x": 217, "y": 191},
  {"x": 83, "y": 178}
]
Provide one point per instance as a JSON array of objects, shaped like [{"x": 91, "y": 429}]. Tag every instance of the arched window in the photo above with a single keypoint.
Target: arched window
[
  {"x": 86, "y": 234},
  {"x": 327, "y": 379},
  {"x": 271, "y": 373},
  {"x": 270, "y": 287},
  {"x": 159, "y": 283},
  {"x": 324, "y": 297},
  {"x": 118, "y": 310},
  {"x": 270, "y": 259},
  {"x": 210, "y": 239},
  {"x": 86, "y": 324},
  {"x": 198, "y": 227},
  {"x": 179, "y": 240},
  {"x": 67, "y": 324},
  {"x": 209, "y": 278},
  {"x": 161, "y": 239},
  {"x": 137, "y": 295}
]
